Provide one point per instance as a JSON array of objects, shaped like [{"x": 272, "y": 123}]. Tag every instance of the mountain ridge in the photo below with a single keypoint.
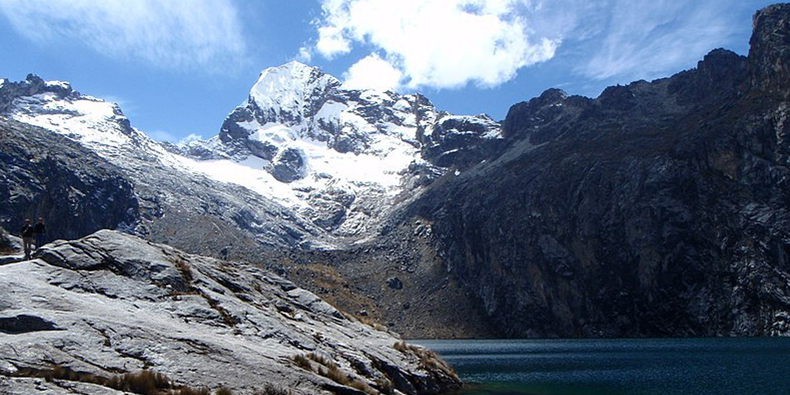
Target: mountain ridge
[{"x": 655, "y": 209}]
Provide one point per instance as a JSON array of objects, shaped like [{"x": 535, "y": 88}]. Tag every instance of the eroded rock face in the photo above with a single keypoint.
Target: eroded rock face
[
  {"x": 32, "y": 85},
  {"x": 770, "y": 50},
  {"x": 288, "y": 166},
  {"x": 657, "y": 209},
  {"x": 75, "y": 190},
  {"x": 111, "y": 303}
]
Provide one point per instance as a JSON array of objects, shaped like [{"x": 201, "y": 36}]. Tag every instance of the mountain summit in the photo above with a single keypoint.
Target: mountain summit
[{"x": 339, "y": 156}]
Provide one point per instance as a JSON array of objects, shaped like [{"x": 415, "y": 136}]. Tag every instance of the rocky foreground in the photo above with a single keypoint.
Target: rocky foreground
[{"x": 111, "y": 313}]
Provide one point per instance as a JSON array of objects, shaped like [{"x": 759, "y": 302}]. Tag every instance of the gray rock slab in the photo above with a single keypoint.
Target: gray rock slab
[{"x": 112, "y": 303}]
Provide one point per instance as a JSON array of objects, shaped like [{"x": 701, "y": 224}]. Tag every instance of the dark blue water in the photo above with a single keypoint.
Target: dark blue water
[{"x": 620, "y": 367}]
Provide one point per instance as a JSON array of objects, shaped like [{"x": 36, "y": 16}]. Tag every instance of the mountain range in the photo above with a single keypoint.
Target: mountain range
[{"x": 658, "y": 208}]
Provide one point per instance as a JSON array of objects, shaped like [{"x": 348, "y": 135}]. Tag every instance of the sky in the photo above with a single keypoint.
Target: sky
[{"x": 178, "y": 67}]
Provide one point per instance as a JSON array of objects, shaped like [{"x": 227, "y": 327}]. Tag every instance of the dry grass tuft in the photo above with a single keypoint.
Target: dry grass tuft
[
  {"x": 303, "y": 362},
  {"x": 335, "y": 374},
  {"x": 190, "y": 391},
  {"x": 185, "y": 269},
  {"x": 385, "y": 386},
  {"x": 224, "y": 391},
  {"x": 372, "y": 323},
  {"x": 271, "y": 389},
  {"x": 429, "y": 361},
  {"x": 144, "y": 382},
  {"x": 363, "y": 386},
  {"x": 321, "y": 359},
  {"x": 332, "y": 371}
]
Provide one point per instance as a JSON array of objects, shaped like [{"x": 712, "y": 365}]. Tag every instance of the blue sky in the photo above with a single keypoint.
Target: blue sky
[{"x": 178, "y": 67}]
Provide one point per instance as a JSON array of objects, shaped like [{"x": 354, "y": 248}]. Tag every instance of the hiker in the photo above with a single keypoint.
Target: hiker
[
  {"x": 27, "y": 237},
  {"x": 39, "y": 230}
]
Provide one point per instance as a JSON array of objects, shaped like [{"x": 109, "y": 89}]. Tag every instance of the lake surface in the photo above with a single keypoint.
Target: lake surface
[{"x": 619, "y": 367}]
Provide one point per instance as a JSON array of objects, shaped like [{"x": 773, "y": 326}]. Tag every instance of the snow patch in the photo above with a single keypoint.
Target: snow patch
[
  {"x": 287, "y": 88},
  {"x": 92, "y": 121},
  {"x": 273, "y": 132},
  {"x": 58, "y": 84}
]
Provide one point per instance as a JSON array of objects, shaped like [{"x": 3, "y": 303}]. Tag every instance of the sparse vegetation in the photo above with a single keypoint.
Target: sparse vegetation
[
  {"x": 302, "y": 362},
  {"x": 371, "y": 323},
  {"x": 332, "y": 371},
  {"x": 385, "y": 386},
  {"x": 145, "y": 382},
  {"x": 186, "y": 273},
  {"x": 321, "y": 359},
  {"x": 271, "y": 389},
  {"x": 183, "y": 267},
  {"x": 224, "y": 391},
  {"x": 429, "y": 361},
  {"x": 401, "y": 346},
  {"x": 191, "y": 391},
  {"x": 363, "y": 386},
  {"x": 228, "y": 319}
]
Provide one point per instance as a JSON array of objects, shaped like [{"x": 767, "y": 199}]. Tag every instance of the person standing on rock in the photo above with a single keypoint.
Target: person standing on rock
[
  {"x": 27, "y": 237},
  {"x": 39, "y": 231}
]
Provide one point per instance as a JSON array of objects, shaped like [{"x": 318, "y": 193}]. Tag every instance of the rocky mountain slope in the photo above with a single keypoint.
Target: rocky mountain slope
[
  {"x": 70, "y": 183},
  {"x": 223, "y": 198},
  {"x": 86, "y": 312},
  {"x": 302, "y": 163},
  {"x": 171, "y": 191},
  {"x": 657, "y": 209},
  {"x": 343, "y": 158}
]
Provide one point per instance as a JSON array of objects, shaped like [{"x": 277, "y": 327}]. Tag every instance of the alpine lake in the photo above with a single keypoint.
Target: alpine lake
[{"x": 709, "y": 366}]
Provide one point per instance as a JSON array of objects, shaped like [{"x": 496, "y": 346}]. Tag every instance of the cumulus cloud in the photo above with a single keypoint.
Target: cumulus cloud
[
  {"x": 372, "y": 72},
  {"x": 451, "y": 43},
  {"x": 183, "y": 34},
  {"x": 436, "y": 43}
]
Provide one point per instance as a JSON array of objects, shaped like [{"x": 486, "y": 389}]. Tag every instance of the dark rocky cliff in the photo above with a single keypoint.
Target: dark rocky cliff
[
  {"x": 47, "y": 175},
  {"x": 658, "y": 209}
]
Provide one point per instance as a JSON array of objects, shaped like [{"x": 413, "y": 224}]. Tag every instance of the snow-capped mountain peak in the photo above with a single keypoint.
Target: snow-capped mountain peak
[
  {"x": 290, "y": 92},
  {"x": 55, "y": 106},
  {"x": 339, "y": 158}
]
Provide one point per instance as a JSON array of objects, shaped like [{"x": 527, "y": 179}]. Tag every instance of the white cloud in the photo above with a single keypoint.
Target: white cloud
[
  {"x": 438, "y": 43},
  {"x": 162, "y": 135},
  {"x": 372, "y": 72},
  {"x": 183, "y": 34},
  {"x": 450, "y": 43},
  {"x": 304, "y": 55},
  {"x": 648, "y": 39},
  {"x": 190, "y": 138}
]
